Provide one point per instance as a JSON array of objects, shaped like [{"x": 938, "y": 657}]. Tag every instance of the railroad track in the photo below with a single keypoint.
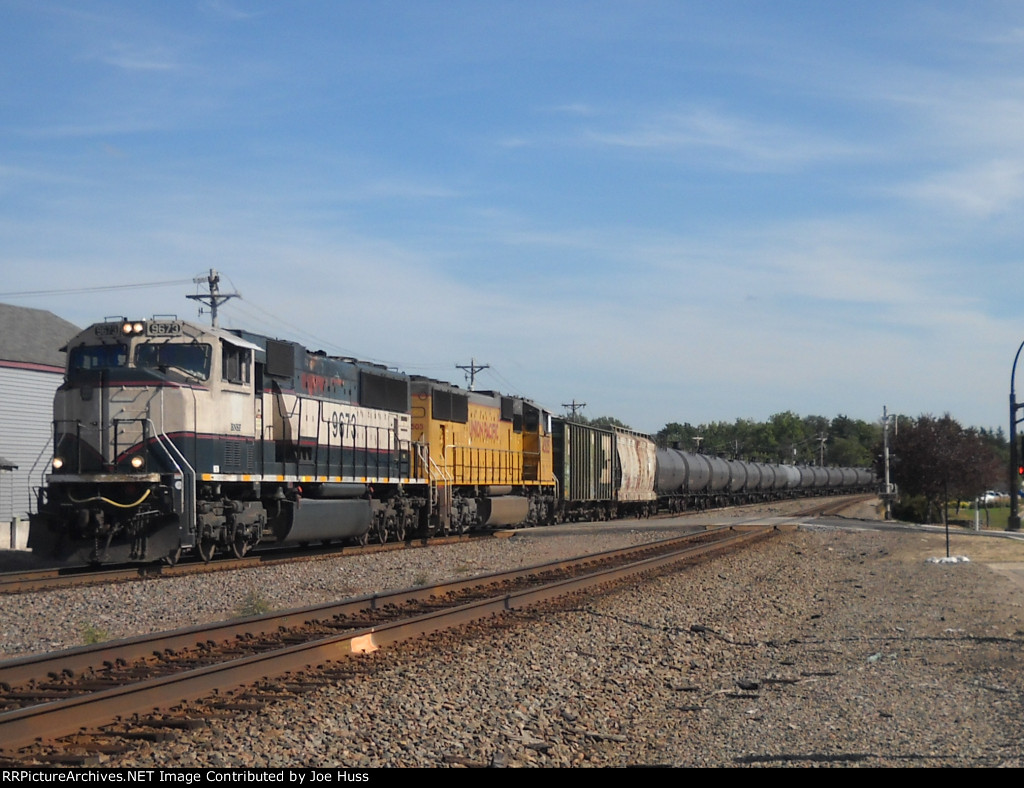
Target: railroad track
[
  {"x": 64, "y": 577},
  {"x": 137, "y": 680},
  {"x": 831, "y": 507}
]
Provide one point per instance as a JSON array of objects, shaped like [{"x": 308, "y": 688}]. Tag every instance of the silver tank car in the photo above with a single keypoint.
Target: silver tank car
[{"x": 697, "y": 481}]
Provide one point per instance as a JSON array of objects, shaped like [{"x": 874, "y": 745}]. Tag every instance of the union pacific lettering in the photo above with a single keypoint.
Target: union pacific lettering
[{"x": 483, "y": 431}]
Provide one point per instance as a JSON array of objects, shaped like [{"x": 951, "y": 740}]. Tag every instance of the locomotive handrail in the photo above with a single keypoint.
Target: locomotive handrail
[
  {"x": 32, "y": 470},
  {"x": 189, "y": 476},
  {"x": 435, "y": 472}
]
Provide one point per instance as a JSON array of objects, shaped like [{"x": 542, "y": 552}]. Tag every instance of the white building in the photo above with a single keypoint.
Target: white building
[{"x": 31, "y": 369}]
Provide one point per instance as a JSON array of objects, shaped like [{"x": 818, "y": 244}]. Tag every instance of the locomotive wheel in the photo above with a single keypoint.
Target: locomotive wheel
[
  {"x": 239, "y": 546},
  {"x": 173, "y": 557},
  {"x": 398, "y": 528},
  {"x": 380, "y": 530},
  {"x": 206, "y": 548}
]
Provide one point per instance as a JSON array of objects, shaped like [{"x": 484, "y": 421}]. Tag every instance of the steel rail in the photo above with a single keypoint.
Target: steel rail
[
  {"x": 19, "y": 670},
  {"x": 49, "y": 721},
  {"x": 66, "y": 577}
]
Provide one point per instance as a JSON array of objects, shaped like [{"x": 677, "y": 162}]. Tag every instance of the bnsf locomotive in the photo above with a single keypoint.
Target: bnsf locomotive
[{"x": 170, "y": 436}]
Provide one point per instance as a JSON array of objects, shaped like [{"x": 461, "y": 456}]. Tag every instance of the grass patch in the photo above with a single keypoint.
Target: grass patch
[
  {"x": 93, "y": 634},
  {"x": 253, "y": 604},
  {"x": 993, "y": 518}
]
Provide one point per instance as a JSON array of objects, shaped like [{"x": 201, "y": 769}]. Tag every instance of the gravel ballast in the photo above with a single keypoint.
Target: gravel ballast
[{"x": 818, "y": 648}]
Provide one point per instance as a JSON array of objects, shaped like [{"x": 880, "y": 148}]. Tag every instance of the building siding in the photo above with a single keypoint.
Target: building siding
[{"x": 26, "y": 414}]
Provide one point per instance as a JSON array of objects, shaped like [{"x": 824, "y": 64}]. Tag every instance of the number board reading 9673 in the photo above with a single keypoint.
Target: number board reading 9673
[{"x": 163, "y": 329}]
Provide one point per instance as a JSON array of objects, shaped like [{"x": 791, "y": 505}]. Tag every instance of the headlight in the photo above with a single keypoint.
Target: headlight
[
  {"x": 57, "y": 463},
  {"x": 137, "y": 461},
  {"x": 132, "y": 328}
]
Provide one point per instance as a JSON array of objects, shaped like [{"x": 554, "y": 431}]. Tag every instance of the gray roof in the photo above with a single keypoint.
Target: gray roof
[{"x": 33, "y": 335}]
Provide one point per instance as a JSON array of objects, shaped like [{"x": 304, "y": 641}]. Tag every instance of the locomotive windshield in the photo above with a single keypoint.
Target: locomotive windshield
[
  {"x": 86, "y": 357},
  {"x": 191, "y": 359}
]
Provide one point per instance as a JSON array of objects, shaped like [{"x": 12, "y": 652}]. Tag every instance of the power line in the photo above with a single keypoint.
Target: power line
[{"x": 97, "y": 289}]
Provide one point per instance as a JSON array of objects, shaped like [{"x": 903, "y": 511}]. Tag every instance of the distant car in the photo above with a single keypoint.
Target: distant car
[{"x": 993, "y": 498}]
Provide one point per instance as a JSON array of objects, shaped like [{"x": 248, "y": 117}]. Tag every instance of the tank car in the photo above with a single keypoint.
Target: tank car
[
  {"x": 170, "y": 436},
  {"x": 687, "y": 481}
]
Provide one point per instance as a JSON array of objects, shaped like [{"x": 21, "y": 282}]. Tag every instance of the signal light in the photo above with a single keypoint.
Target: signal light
[{"x": 1020, "y": 470}]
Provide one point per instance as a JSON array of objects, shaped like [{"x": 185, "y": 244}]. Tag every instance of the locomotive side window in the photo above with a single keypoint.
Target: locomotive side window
[
  {"x": 86, "y": 357},
  {"x": 192, "y": 359},
  {"x": 236, "y": 363}
]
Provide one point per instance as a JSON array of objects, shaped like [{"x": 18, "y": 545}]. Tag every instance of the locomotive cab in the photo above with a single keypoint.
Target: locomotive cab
[{"x": 132, "y": 427}]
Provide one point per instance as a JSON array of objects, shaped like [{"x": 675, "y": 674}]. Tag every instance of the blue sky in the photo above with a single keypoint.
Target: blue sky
[{"x": 671, "y": 211}]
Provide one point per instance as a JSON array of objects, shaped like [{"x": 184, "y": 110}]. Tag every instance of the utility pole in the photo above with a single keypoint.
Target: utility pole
[
  {"x": 214, "y": 298},
  {"x": 887, "y": 494},
  {"x": 1013, "y": 522},
  {"x": 471, "y": 369},
  {"x": 573, "y": 407}
]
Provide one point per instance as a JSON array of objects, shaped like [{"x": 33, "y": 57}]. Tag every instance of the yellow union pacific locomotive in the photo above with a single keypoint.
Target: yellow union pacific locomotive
[{"x": 490, "y": 455}]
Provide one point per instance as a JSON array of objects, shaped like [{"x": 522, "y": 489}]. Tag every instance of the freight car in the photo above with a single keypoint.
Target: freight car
[
  {"x": 171, "y": 437},
  {"x": 602, "y": 473}
]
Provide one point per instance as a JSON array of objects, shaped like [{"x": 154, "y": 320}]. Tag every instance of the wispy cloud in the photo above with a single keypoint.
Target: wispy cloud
[
  {"x": 231, "y": 10},
  {"x": 984, "y": 190},
  {"x": 134, "y": 57},
  {"x": 731, "y": 141}
]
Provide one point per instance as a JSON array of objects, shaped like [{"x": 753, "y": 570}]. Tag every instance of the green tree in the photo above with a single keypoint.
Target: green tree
[{"x": 940, "y": 460}]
